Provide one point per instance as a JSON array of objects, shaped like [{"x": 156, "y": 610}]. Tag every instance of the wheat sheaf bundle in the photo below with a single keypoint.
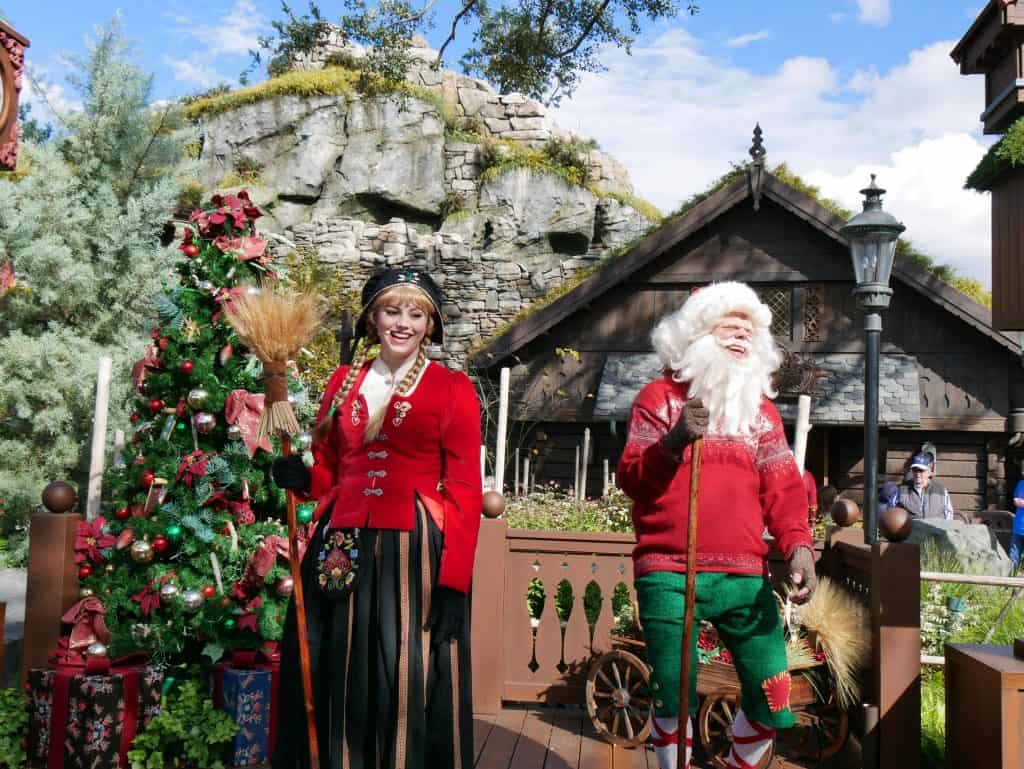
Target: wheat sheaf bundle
[
  {"x": 275, "y": 325},
  {"x": 842, "y": 626}
]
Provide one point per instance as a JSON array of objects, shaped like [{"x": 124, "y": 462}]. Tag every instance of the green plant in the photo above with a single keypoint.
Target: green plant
[
  {"x": 453, "y": 204},
  {"x": 14, "y": 717},
  {"x": 553, "y": 508},
  {"x": 933, "y": 719},
  {"x": 191, "y": 195},
  {"x": 1005, "y": 154},
  {"x": 190, "y": 733},
  {"x": 563, "y": 600},
  {"x": 535, "y": 598}
]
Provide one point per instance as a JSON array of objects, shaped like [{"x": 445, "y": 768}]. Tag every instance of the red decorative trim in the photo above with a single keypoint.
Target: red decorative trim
[
  {"x": 740, "y": 563},
  {"x": 776, "y": 691},
  {"x": 15, "y": 51}
]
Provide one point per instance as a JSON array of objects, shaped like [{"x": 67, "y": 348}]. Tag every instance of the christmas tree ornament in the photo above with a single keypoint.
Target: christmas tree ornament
[
  {"x": 142, "y": 388},
  {"x": 191, "y": 250},
  {"x": 209, "y": 591},
  {"x": 122, "y": 513},
  {"x": 85, "y": 592},
  {"x": 191, "y": 330},
  {"x": 229, "y": 623},
  {"x": 205, "y": 422},
  {"x": 285, "y": 586},
  {"x": 124, "y": 539},
  {"x": 234, "y": 433},
  {"x": 160, "y": 543},
  {"x": 84, "y": 572},
  {"x": 186, "y": 367},
  {"x": 109, "y": 568},
  {"x": 197, "y": 397},
  {"x": 205, "y": 285},
  {"x": 192, "y": 600},
  {"x": 154, "y": 334},
  {"x": 59, "y": 497},
  {"x": 96, "y": 649},
  {"x": 305, "y": 515},
  {"x": 168, "y": 591},
  {"x": 168, "y": 429},
  {"x": 226, "y": 353},
  {"x": 141, "y": 551},
  {"x": 147, "y": 478},
  {"x": 163, "y": 342},
  {"x": 181, "y": 409},
  {"x": 135, "y": 417},
  {"x": 156, "y": 405},
  {"x": 174, "y": 532},
  {"x": 302, "y": 442}
]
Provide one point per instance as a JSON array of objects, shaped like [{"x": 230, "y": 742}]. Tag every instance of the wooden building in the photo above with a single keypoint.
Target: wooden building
[
  {"x": 947, "y": 376},
  {"x": 12, "y": 67}
]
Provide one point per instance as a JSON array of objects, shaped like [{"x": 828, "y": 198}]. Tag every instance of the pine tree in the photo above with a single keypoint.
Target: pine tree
[
  {"x": 189, "y": 556},
  {"x": 80, "y": 227}
]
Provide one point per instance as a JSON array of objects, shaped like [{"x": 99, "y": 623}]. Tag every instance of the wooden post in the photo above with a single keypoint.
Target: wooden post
[
  {"x": 483, "y": 467},
  {"x": 585, "y": 463},
  {"x": 52, "y": 583},
  {"x": 895, "y": 676},
  {"x": 515, "y": 486},
  {"x": 604, "y": 486},
  {"x": 576, "y": 476},
  {"x": 99, "y": 438},
  {"x": 526, "y": 475},
  {"x": 488, "y": 616},
  {"x": 499, "y": 452}
]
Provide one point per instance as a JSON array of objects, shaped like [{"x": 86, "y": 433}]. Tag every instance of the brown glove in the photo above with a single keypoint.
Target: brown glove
[
  {"x": 692, "y": 424},
  {"x": 801, "y": 571}
]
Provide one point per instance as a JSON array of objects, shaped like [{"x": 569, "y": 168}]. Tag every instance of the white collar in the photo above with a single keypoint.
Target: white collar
[{"x": 380, "y": 369}]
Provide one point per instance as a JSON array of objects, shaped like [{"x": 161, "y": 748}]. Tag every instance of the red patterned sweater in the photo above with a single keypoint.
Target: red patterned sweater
[{"x": 746, "y": 483}]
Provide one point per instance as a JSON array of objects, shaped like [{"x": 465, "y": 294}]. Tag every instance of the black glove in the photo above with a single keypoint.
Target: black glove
[
  {"x": 291, "y": 473},
  {"x": 692, "y": 424},
  {"x": 448, "y": 610}
]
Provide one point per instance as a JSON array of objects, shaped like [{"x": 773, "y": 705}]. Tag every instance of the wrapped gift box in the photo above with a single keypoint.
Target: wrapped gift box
[
  {"x": 86, "y": 720},
  {"x": 247, "y": 694}
]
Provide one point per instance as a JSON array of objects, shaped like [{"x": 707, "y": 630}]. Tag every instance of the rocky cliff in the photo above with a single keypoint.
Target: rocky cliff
[{"x": 482, "y": 189}]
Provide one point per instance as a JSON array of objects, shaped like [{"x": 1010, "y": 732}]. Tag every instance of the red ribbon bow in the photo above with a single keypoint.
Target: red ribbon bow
[
  {"x": 244, "y": 408},
  {"x": 88, "y": 624}
]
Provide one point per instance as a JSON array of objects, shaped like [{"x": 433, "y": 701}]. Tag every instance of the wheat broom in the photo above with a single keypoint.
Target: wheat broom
[{"x": 275, "y": 326}]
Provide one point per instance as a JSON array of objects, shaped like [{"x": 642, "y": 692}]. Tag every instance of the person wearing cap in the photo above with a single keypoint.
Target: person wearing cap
[
  {"x": 718, "y": 356},
  {"x": 921, "y": 496},
  {"x": 1017, "y": 534},
  {"x": 396, "y": 473}
]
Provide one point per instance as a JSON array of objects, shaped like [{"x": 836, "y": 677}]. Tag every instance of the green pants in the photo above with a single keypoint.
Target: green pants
[{"x": 743, "y": 610}]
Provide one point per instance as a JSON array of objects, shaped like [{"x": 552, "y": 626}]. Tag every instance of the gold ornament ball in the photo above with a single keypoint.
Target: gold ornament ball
[
  {"x": 85, "y": 592},
  {"x": 494, "y": 504},
  {"x": 197, "y": 397},
  {"x": 109, "y": 568},
  {"x": 142, "y": 551},
  {"x": 59, "y": 497},
  {"x": 894, "y": 524},
  {"x": 845, "y": 512}
]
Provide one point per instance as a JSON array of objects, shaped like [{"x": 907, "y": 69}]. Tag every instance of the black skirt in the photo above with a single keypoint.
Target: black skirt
[{"x": 385, "y": 696}]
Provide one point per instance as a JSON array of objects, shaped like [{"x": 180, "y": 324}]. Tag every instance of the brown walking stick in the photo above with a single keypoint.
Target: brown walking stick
[
  {"x": 275, "y": 326},
  {"x": 691, "y": 595}
]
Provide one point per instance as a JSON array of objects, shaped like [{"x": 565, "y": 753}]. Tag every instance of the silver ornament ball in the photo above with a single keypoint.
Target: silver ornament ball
[
  {"x": 204, "y": 422},
  {"x": 85, "y": 592},
  {"x": 234, "y": 433},
  {"x": 285, "y": 586},
  {"x": 141, "y": 551},
  {"x": 205, "y": 285},
  {"x": 96, "y": 649},
  {"x": 197, "y": 397},
  {"x": 192, "y": 600},
  {"x": 302, "y": 442},
  {"x": 168, "y": 591}
]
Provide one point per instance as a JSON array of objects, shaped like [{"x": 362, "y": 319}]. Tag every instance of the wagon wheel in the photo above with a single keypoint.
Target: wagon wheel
[
  {"x": 619, "y": 698},
  {"x": 714, "y": 724},
  {"x": 825, "y": 727}
]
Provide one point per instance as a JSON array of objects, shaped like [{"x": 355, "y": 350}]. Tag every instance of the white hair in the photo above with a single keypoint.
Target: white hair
[{"x": 730, "y": 388}]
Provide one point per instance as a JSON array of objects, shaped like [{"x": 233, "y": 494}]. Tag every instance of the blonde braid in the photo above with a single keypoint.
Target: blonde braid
[
  {"x": 414, "y": 373},
  {"x": 323, "y": 428}
]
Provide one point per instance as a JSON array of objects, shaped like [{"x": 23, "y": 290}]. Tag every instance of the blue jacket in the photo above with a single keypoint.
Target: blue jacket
[{"x": 1018, "y": 518}]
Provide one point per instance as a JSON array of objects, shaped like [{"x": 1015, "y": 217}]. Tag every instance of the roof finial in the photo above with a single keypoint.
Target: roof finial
[{"x": 756, "y": 169}]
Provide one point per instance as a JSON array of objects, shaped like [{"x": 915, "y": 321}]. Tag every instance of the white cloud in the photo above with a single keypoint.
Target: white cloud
[
  {"x": 681, "y": 116},
  {"x": 742, "y": 40},
  {"x": 875, "y": 12},
  {"x": 233, "y": 35},
  {"x": 45, "y": 99}
]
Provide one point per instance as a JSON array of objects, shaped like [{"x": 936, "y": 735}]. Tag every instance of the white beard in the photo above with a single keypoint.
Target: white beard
[{"x": 731, "y": 388}]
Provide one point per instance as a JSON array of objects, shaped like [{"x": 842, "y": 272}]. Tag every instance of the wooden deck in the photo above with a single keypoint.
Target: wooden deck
[{"x": 551, "y": 738}]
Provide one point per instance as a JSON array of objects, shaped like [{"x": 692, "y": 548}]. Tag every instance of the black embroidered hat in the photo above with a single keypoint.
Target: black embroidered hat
[{"x": 384, "y": 279}]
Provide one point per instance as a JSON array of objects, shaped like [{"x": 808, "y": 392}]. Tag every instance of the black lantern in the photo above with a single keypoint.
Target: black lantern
[{"x": 872, "y": 235}]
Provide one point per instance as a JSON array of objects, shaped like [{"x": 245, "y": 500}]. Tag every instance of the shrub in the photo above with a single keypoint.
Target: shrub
[{"x": 14, "y": 717}]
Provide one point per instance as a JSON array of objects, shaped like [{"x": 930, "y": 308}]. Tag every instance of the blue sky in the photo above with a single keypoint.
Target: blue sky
[{"x": 841, "y": 89}]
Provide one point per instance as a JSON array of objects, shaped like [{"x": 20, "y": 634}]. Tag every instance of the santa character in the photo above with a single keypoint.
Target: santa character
[{"x": 719, "y": 356}]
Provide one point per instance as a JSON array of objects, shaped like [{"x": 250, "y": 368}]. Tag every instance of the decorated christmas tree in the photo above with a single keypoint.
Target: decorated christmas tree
[{"x": 190, "y": 555}]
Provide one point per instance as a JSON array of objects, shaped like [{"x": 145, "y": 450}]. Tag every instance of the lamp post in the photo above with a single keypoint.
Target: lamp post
[{"x": 872, "y": 235}]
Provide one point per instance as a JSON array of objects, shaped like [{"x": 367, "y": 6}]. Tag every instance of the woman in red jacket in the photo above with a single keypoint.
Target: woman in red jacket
[{"x": 387, "y": 572}]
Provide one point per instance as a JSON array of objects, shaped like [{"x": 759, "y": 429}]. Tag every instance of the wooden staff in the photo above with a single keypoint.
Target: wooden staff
[
  {"x": 275, "y": 326},
  {"x": 691, "y": 597}
]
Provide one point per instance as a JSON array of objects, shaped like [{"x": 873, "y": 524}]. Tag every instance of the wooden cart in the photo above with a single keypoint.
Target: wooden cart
[{"x": 619, "y": 701}]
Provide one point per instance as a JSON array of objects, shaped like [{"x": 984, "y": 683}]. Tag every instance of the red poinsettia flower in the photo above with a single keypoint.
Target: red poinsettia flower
[
  {"x": 91, "y": 541},
  {"x": 192, "y": 466},
  {"x": 148, "y": 599}
]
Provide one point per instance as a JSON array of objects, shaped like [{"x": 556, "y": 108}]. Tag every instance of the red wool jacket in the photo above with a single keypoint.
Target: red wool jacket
[
  {"x": 428, "y": 445},
  {"x": 746, "y": 483}
]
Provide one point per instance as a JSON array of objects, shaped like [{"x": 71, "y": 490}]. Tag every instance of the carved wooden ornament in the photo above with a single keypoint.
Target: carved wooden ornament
[{"x": 12, "y": 66}]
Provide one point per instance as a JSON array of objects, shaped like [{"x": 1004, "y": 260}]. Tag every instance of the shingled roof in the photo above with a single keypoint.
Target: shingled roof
[{"x": 620, "y": 268}]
